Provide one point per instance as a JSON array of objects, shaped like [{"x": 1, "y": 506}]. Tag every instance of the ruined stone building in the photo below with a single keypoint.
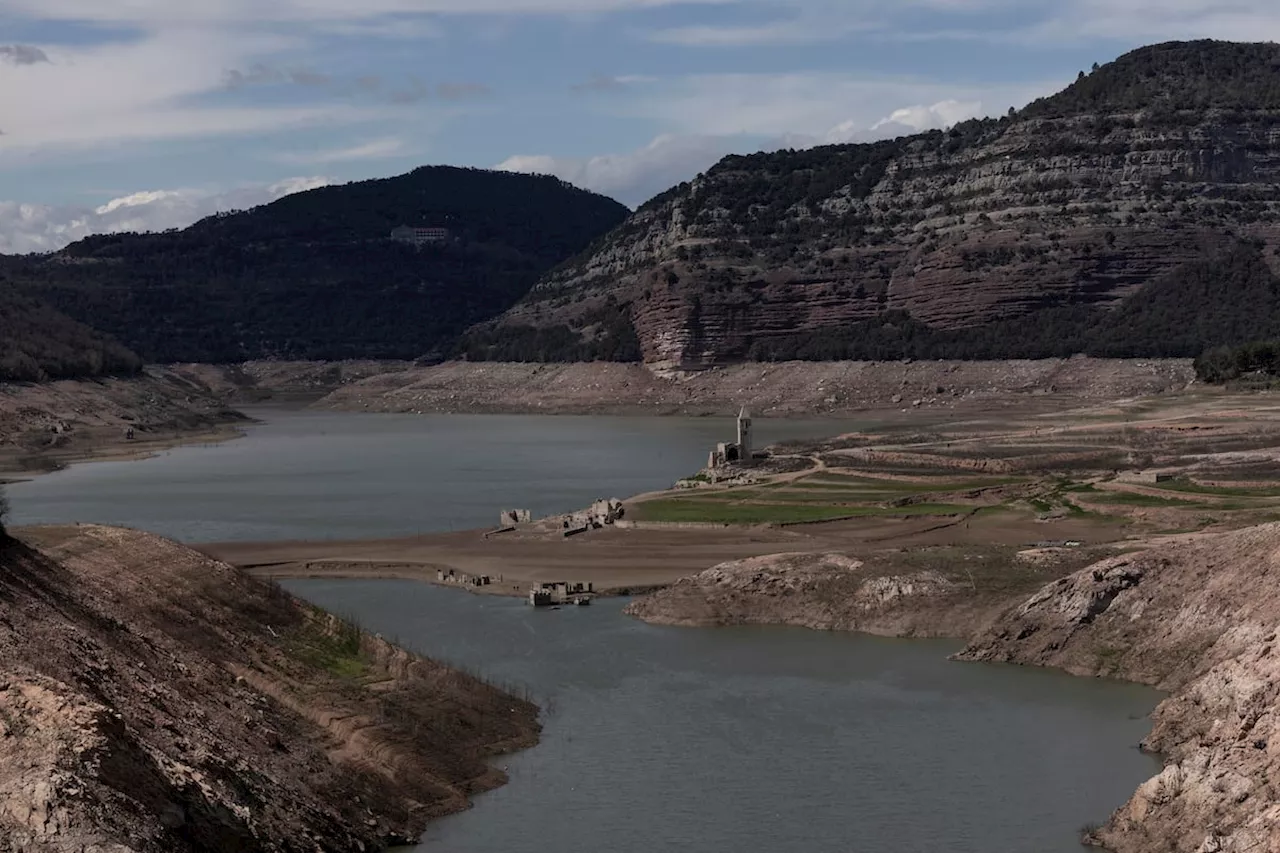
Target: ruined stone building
[{"x": 740, "y": 452}]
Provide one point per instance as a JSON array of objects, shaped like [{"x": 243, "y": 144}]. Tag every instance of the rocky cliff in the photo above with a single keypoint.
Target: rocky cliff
[
  {"x": 1129, "y": 215},
  {"x": 153, "y": 700}
]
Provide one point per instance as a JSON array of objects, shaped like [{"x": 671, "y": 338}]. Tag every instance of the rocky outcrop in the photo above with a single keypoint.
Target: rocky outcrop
[
  {"x": 828, "y": 592},
  {"x": 153, "y": 700},
  {"x": 1165, "y": 158},
  {"x": 1198, "y": 618}
]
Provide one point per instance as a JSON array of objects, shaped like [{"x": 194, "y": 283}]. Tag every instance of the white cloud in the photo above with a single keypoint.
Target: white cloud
[
  {"x": 906, "y": 121},
  {"x": 40, "y": 228},
  {"x": 1159, "y": 20},
  {"x": 1037, "y": 21},
  {"x": 636, "y": 176},
  {"x": 778, "y": 105},
  {"x": 153, "y": 12},
  {"x": 377, "y": 149},
  {"x": 139, "y": 91}
]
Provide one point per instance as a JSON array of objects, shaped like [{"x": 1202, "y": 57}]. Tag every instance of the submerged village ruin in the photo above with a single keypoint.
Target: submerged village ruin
[{"x": 726, "y": 456}]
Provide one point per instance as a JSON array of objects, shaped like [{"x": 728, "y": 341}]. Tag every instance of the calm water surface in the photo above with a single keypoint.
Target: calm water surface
[
  {"x": 312, "y": 475},
  {"x": 750, "y": 741},
  {"x": 765, "y": 740}
]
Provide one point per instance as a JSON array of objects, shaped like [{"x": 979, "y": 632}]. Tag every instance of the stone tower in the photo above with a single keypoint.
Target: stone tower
[{"x": 744, "y": 435}]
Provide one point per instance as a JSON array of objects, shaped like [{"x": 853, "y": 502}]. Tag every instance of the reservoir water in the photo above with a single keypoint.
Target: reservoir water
[
  {"x": 766, "y": 740},
  {"x": 317, "y": 475},
  {"x": 745, "y": 740}
]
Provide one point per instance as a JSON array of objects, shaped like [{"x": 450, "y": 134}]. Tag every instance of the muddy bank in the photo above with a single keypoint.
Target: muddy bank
[
  {"x": 775, "y": 390},
  {"x": 152, "y": 699},
  {"x": 46, "y": 425}
]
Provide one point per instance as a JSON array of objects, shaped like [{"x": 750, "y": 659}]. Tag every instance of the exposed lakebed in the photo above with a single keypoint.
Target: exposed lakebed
[{"x": 656, "y": 738}]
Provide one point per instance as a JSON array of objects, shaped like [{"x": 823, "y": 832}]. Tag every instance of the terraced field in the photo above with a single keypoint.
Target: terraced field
[{"x": 1217, "y": 459}]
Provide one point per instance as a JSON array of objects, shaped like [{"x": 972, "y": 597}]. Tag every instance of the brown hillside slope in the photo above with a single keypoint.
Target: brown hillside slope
[
  {"x": 1198, "y": 618},
  {"x": 1150, "y": 167},
  {"x": 154, "y": 700},
  {"x": 44, "y": 424}
]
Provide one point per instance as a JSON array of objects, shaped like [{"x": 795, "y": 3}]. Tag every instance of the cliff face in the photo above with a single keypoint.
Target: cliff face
[
  {"x": 154, "y": 700},
  {"x": 1198, "y": 619},
  {"x": 937, "y": 245}
]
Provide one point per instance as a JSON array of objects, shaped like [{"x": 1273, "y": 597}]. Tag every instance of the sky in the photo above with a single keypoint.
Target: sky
[{"x": 149, "y": 114}]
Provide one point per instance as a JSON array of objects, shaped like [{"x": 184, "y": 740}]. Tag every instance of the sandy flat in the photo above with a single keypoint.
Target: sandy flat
[{"x": 613, "y": 559}]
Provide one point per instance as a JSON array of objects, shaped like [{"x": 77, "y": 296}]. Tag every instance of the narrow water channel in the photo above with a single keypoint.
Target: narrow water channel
[{"x": 761, "y": 740}]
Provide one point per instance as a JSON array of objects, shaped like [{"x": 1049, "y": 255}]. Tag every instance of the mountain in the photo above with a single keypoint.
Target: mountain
[
  {"x": 1133, "y": 214},
  {"x": 317, "y": 275},
  {"x": 38, "y": 343}
]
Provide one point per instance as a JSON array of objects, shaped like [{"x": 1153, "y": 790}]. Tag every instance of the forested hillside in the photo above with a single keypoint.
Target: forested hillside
[
  {"x": 316, "y": 275},
  {"x": 39, "y": 343},
  {"x": 1136, "y": 213}
]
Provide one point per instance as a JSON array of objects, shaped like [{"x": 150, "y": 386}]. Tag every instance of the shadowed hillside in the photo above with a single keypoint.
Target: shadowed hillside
[
  {"x": 39, "y": 343},
  {"x": 316, "y": 275}
]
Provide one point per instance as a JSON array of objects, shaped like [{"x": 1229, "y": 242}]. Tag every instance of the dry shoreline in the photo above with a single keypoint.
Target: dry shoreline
[
  {"x": 612, "y": 559},
  {"x": 46, "y": 426},
  {"x": 153, "y": 700}
]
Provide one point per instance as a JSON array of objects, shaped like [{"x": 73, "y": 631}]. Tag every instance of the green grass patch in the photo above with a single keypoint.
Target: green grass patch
[
  {"x": 827, "y": 480},
  {"x": 1194, "y": 488},
  {"x": 339, "y": 652},
  {"x": 1138, "y": 499}
]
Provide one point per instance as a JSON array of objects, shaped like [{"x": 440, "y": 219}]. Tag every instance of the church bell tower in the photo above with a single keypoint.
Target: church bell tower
[{"x": 744, "y": 435}]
